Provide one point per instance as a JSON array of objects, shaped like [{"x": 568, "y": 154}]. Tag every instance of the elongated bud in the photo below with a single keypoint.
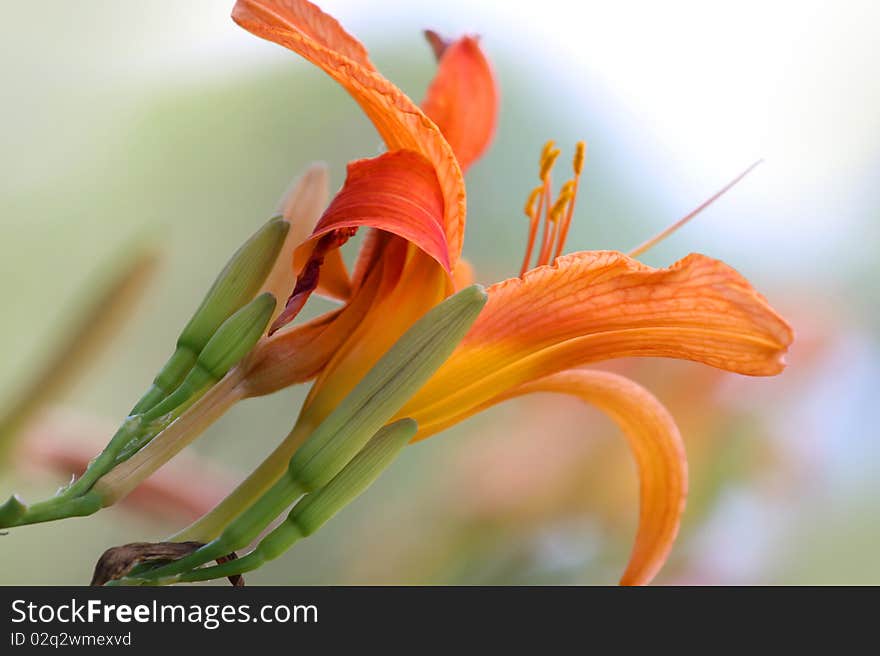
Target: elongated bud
[
  {"x": 236, "y": 337},
  {"x": 386, "y": 388},
  {"x": 304, "y": 200},
  {"x": 316, "y": 508},
  {"x": 238, "y": 282},
  {"x": 232, "y": 341}
]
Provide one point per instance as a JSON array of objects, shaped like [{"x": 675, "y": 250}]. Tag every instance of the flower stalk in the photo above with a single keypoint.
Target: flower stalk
[
  {"x": 223, "y": 330},
  {"x": 397, "y": 375}
]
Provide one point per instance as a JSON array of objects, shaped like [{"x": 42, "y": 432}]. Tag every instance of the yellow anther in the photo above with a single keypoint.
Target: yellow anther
[
  {"x": 568, "y": 188},
  {"x": 547, "y": 162},
  {"x": 529, "y": 208},
  {"x": 560, "y": 205},
  {"x": 579, "y": 152},
  {"x": 556, "y": 213}
]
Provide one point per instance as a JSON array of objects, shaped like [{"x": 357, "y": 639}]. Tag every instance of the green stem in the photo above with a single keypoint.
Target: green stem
[
  {"x": 268, "y": 473},
  {"x": 239, "y": 533},
  {"x": 282, "y": 538},
  {"x": 51, "y": 510},
  {"x": 103, "y": 463},
  {"x": 307, "y": 516},
  {"x": 171, "y": 375}
]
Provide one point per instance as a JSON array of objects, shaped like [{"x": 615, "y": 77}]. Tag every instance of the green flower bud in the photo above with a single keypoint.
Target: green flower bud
[
  {"x": 233, "y": 340},
  {"x": 238, "y": 282},
  {"x": 398, "y": 375},
  {"x": 315, "y": 509}
]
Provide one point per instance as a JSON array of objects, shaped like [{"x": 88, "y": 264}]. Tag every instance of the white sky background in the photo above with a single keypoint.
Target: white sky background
[
  {"x": 703, "y": 89},
  {"x": 715, "y": 84},
  {"x": 718, "y": 85}
]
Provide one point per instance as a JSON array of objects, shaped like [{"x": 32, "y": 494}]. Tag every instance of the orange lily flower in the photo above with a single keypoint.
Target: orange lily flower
[{"x": 536, "y": 329}]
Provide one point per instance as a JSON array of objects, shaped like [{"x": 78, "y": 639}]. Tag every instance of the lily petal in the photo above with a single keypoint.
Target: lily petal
[
  {"x": 600, "y": 305},
  {"x": 335, "y": 281},
  {"x": 397, "y": 192},
  {"x": 313, "y": 253},
  {"x": 305, "y": 29},
  {"x": 302, "y": 205},
  {"x": 658, "y": 450},
  {"x": 463, "y": 99},
  {"x": 299, "y": 354},
  {"x": 308, "y": 20}
]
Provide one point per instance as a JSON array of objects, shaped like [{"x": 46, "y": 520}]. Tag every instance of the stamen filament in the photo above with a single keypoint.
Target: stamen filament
[
  {"x": 554, "y": 217},
  {"x": 536, "y": 199},
  {"x": 555, "y": 214},
  {"x": 653, "y": 241},
  {"x": 544, "y": 252},
  {"x": 578, "y": 166}
]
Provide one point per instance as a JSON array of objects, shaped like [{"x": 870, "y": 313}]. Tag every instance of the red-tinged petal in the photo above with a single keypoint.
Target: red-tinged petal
[
  {"x": 335, "y": 281},
  {"x": 303, "y": 28},
  {"x": 299, "y": 354},
  {"x": 311, "y": 273},
  {"x": 307, "y": 19},
  {"x": 601, "y": 305},
  {"x": 302, "y": 205},
  {"x": 658, "y": 450},
  {"x": 463, "y": 98},
  {"x": 397, "y": 192}
]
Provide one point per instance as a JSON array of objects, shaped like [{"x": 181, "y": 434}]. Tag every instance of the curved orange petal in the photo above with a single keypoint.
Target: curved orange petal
[
  {"x": 305, "y": 29},
  {"x": 655, "y": 443},
  {"x": 463, "y": 99},
  {"x": 371, "y": 250},
  {"x": 658, "y": 450},
  {"x": 302, "y": 205},
  {"x": 335, "y": 281},
  {"x": 313, "y": 254},
  {"x": 397, "y": 192},
  {"x": 308, "y": 20},
  {"x": 600, "y": 305}
]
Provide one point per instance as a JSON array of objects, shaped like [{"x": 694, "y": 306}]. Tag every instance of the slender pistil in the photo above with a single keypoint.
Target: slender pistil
[{"x": 656, "y": 239}]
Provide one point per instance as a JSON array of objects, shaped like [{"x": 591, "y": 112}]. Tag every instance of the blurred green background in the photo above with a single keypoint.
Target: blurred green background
[{"x": 161, "y": 124}]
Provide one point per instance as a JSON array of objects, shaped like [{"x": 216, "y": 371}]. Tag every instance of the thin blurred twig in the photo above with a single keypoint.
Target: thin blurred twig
[{"x": 90, "y": 331}]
